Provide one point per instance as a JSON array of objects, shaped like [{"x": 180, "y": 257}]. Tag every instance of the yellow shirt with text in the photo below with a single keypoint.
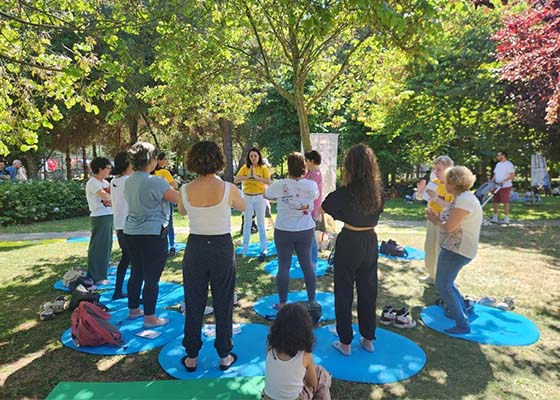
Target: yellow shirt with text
[
  {"x": 252, "y": 186},
  {"x": 442, "y": 194}
]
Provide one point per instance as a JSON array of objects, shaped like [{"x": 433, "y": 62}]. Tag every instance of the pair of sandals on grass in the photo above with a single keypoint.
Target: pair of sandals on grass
[{"x": 49, "y": 309}]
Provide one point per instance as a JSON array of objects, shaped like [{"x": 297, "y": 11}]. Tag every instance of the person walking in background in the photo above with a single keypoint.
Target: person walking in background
[
  {"x": 207, "y": 201},
  {"x": 145, "y": 230},
  {"x": 162, "y": 171},
  {"x": 122, "y": 171},
  {"x": 291, "y": 372},
  {"x": 254, "y": 177},
  {"x": 460, "y": 231},
  {"x": 358, "y": 203},
  {"x": 438, "y": 200},
  {"x": 313, "y": 165},
  {"x": 4, "y": 174},
  {"x": 504, "y": 172},
  {"x": 13, "y": 169},
  {"x": 294, "y": 227},
  {"x": 101, "y": 218}
]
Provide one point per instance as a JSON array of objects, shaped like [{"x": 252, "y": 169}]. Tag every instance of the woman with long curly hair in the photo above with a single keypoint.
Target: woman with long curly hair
[{"x": 358, "y": 203}]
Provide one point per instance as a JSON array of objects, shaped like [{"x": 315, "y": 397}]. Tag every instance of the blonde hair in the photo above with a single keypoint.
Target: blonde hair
[
  {"x": 446, "y": 161},
  {"x": 459, "y": 177}
]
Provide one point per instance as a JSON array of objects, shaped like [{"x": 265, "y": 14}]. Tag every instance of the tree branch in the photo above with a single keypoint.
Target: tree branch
[
  {"x": 29, "y": 64},
  {"x": 284, "y": 44}
]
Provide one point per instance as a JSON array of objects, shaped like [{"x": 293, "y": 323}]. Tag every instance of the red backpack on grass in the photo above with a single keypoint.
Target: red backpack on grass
[{"x": 90, "y": 327}]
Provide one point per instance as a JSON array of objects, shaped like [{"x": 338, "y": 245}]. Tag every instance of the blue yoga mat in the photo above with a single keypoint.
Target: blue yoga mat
[
  {"x": 180, "y": 246},
  {"x": 295, "y": 270},
  {"x": 395, "y": 358},
  {"x": 84, "y": 239},
  {"x": 413, "y": 254},
  {"x": 488, "y": 325},
  {"x": 111, "y": 277},
  {"x": 169, "y": 295},
  {"x": 249, "y": 345},
  {"x": 263, "y": 306},
  {"x": 133, "y": 343},
  {"x": 254, "y": 249}
]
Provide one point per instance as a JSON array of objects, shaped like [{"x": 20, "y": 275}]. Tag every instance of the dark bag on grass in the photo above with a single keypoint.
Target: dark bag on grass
[
  {"x": 392, "y": 248},
  {"x": 313, "y": 309},
  {"x": 90, "y": 327},
  {"x": 80, "y": 294},
  {"x": 85, "y": 281}
]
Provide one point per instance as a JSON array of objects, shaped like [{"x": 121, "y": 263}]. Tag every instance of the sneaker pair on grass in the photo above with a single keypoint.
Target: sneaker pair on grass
[
  {"x": 495, "y": 220},
  {"x": 506, "y": 304},
  {"x": 398, "y": 318},
  {"x": 48, "y": 309}
]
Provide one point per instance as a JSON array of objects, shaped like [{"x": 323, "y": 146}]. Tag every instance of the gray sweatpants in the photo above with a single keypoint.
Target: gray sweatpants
[{"x": 100, "y": 246}]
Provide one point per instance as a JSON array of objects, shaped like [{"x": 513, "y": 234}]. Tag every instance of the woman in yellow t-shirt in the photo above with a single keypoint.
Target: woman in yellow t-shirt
[
  {"x": 162, "y": 171},
  {"x": 439, "y": 200},
  {"x": 254, "y": 177}
]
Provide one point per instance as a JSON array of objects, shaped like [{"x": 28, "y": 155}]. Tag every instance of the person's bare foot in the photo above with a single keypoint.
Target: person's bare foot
[
  {"x": 344, "y": 349},
  {"x": 228, "y": 361},
  {"x": 367, "y": 345},
  {"x": 151, "y": 321},
  {"x": 135, "y": 313}
]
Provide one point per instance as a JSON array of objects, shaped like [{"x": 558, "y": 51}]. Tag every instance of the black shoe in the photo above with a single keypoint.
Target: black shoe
[
  {"x": 262, "y": 257},
  {"x": 172, "y": 252},
  {"x": 226, "y": 367}
]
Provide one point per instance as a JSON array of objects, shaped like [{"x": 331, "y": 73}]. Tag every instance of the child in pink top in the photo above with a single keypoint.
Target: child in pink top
[{"x": 313, "y": 164}]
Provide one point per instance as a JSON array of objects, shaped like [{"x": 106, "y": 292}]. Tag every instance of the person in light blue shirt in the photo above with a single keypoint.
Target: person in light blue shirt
[{"x": 148, "y": 198}]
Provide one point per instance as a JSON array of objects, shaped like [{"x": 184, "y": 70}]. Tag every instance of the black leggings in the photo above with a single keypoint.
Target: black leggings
[
  {"x": 123, "y": 263},
  {"x": 355, "y": 260},
  {"x": 147, "y": 254},
  {"x": 208, "y": 259},
  {"x": 300, "y": 241}
]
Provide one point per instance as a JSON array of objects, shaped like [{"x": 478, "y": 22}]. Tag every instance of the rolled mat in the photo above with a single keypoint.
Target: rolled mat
[
  {"x": 395, "y": 358},
  {"x": 223, "y": 389},
  {"x": 254, "y": 249},
  {"x": 249, "y": 345},
  {"x": 129, "y": 329},
  {"x": 295, "y": 270},
  {"x": 488, "y": 326},
  {"x": 264, "y": 305},
  {"x": 169, "y": 295},
  {"x": 413, "y": 254}
]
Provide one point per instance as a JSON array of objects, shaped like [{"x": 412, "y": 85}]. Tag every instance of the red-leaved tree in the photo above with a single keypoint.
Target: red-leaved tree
[{"x": 529, "y": 47}]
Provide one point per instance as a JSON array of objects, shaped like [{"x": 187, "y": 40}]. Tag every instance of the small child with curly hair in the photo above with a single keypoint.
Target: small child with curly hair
[{"x": 291, "y": 373}]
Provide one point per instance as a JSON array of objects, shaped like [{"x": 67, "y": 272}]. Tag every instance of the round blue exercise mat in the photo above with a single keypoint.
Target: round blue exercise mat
[
  {"x": 83, "y": 239},
  {"x": 488, "y": 326},
  {"x": 254, "y": 249},
  {"x": 111, "y": 277},
  {"x": 413, "y": 254},
  {"x": 395, "y": 358},
  {"x": 169, "y": 294},
  {"x": 295, "y": 270},
  {"x": 264, "y": 305},
  {"x": 249, "y": 345},
  {"x": 129, "y": 330}
]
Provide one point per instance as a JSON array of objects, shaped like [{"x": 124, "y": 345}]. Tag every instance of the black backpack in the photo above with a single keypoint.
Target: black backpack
[
  {"x": 392, "y": 248},
  {"x": 313, "y": 309},
  {"x": 80, "y": 293}
]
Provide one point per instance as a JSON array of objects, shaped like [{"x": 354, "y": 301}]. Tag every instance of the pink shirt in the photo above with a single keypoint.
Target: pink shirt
[{"x": 316, "y": 177}]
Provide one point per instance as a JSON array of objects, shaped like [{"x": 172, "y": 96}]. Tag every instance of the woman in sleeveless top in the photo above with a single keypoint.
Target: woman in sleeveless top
[{"x": 209, "y": 258}]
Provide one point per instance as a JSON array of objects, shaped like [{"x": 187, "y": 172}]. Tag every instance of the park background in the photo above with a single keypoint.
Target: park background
[{"x": 413, "y": 79}]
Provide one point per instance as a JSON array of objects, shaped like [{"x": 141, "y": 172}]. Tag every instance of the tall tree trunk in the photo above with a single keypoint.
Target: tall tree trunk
[
  {"x": 68, "y": 161},
  {"x": 118, "y": 136},
  {"x": 226, "y": 128},
  {"x": 133, "y": 127},
  {"x": 84, "y": 162},
  {"x": 302, "y": 116},
  {"x": 93, "y": 150}
]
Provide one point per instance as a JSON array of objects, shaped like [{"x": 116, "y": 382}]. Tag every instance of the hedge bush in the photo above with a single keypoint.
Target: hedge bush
[{"x": 28, "y": 202}]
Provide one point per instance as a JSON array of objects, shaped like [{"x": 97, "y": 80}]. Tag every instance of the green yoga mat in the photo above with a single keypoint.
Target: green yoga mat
[{"x": 221, "y": 389}]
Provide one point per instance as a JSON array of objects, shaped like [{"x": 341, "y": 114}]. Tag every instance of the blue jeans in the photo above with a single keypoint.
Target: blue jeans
[
  {"x": 314, "y": 250},
  {"x": 448, "y": 267},
  {"x": 171, "y": 231}
]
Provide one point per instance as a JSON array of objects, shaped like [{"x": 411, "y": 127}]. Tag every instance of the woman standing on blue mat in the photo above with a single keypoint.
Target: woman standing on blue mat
[
  {"x": 145, "y": 230},
  {"x": 358, "y": 203},
  {"x": 162, "y": 171},
  {"x": 459, "y": 225},
  {"x": 291, "y": 372},
  {"x": 209, "y": 258},
  {"x": 294, "y": 228}
]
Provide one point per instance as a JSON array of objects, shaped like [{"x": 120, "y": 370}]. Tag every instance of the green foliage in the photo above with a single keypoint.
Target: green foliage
[{"x": 26, "y": 203}]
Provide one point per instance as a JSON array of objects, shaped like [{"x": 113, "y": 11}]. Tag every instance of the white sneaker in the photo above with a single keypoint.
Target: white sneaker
[
  {"x": 495, "y": 220},
  {"x": 506, "y": 220}
]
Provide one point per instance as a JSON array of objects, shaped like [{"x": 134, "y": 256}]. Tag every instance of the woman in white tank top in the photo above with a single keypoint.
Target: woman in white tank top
[
  {"x": 209, "y": 257},
  {"x": 291, "y": 372}
]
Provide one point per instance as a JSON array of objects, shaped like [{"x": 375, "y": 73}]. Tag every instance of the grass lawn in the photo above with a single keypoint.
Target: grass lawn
[{"x": 520, "y": 261}]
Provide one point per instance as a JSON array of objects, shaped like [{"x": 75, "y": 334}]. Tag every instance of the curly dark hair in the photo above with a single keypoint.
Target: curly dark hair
[
  {"x": 362, "y": 178},
  {"x": 99, "y": 163},
  {"x": 314, "y": 156},
  {"x": 121, "y": 163},
  {"x": 205, "y": 158},
  {"x": 292, "y": 330},
  {"x": 296, "y": 165},
  {"x": 248, "y": 160}
]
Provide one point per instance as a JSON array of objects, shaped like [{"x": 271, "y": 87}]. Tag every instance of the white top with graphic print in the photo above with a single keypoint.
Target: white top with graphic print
[{"x": 464, "y": 239}]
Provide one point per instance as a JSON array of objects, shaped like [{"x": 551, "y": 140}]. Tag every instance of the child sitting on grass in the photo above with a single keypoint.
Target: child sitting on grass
[{"x": 291, "y": 372}]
